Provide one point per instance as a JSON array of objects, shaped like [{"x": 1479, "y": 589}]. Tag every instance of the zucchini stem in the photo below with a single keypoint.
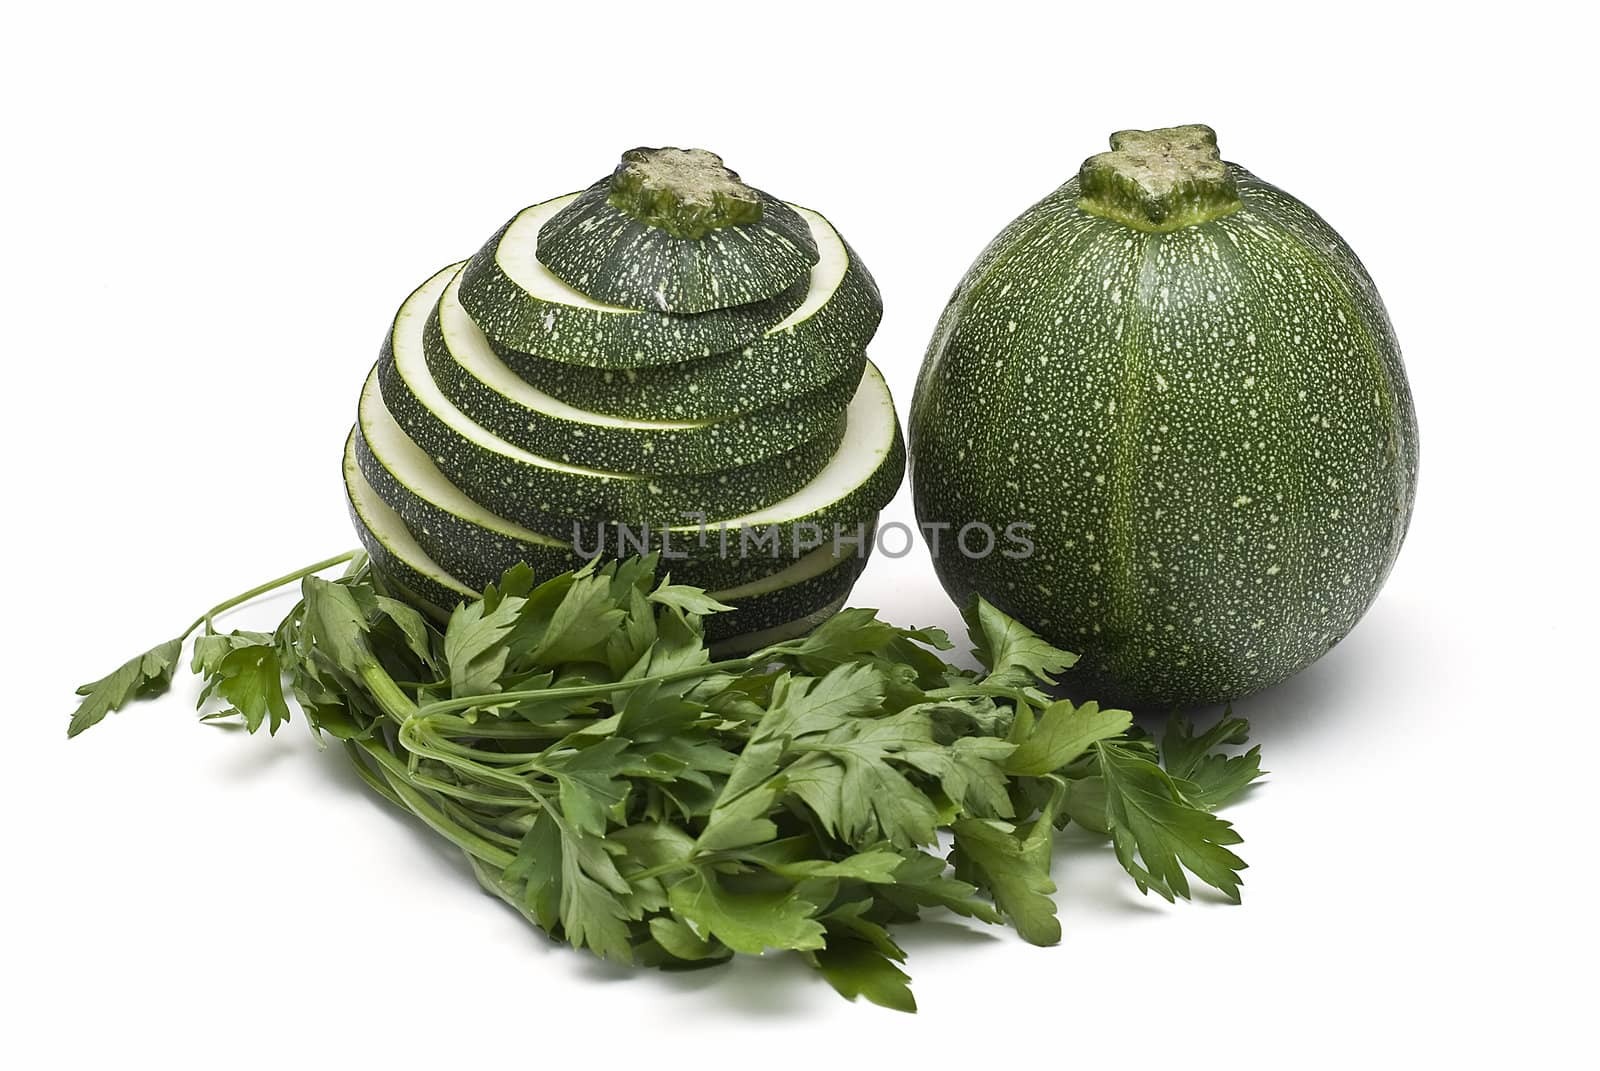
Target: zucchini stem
[
  {"x": 1159, "y": 180},
  {"x": 685, "y": 192}
]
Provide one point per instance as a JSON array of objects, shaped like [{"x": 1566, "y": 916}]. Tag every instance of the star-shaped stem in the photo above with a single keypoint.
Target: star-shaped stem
[
  {"x": 1159, "y": 180},
  {"x": 686, "y": 192}
]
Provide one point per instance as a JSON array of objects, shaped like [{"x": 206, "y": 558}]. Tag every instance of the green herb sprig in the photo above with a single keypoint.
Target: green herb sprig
[{"x": 632, "y": 791}]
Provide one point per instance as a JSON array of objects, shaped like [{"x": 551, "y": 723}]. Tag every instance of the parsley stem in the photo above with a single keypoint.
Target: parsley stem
[
  {"x": 391, "y": 699},
  {"x": 394, "y": 772},
  {"x": 693, "y": 860},
  {"x": 469, "y": 795},
  {"x": 411, "y": 740},
  {"x": 262, "y": 589},
  {"x": 580, "y": 691},
  {"x": 979, "y": 688},
  {"x": 442, "y": 724},
  {"x": 668, "y": 867}
]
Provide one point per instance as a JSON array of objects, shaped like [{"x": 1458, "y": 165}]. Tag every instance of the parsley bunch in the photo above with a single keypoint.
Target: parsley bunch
[{"x": 631, "y": 792}]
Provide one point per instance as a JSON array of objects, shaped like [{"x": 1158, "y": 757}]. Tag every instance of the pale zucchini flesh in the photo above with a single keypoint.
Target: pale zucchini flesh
[
  {"x": 820, "y": 343},
  {"x": 521, "y": 304},
  {"x": 472, "y": 376},
  {"x": 548, "y": 495},
  {"x": 477, "y": 544},
  {"x": 794, "y": 591}
]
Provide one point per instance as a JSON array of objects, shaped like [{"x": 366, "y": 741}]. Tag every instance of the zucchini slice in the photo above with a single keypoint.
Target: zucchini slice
[
  {"x": 676, "y": 231},
  {"x": 521, "y": 304},
  {"x": 815, "y": 580},
  {"x": 394, "y": 553},
  {"x": 745, "y": 643},
  {"x": 822, "y": 341},
  {"x": 465, "y": 539},
  {"x": 547, "y": 495},
  {"x": 860, "y": 479},
  {"x": 473, "y": 377},
  {"x": 477, "y": 543}
]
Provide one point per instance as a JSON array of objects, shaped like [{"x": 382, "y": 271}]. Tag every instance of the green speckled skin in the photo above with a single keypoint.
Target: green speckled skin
[
  {"x": 477, "y": 554},
  {"x": 707, "y": 389},
  {"x": 425, "y": 590},
  {"x": 606, "y": 338},
  {"x": 470, "y": 552},
  {"x": 604, "y": 252},
  {"x": 805, "y": 356},
  {"x": 731, "y": 442},
  {"x": 785, "y": 604},
  {"x": 419, "y": 590},
  {"x": 550, "y": 500},
  {"x": 437, "y": 593},
  {"x": 1210, "y": 431}
]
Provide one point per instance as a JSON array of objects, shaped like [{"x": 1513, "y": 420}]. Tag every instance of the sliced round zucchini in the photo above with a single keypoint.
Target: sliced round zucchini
[
  {"x": 468, "y": 372},
  {"x": 469, "y": 541},
  {"x": 814, "y": 580},
  {"x": 393, "y": 550},
  {"x": 521, "y": 304},
  {"x": 823, "y": 340},
  {"x": 476, "y": 545},
  {"x": 546, "y": 495},
  {"x": 675, "y": 231},
  {"x": 860, "y": 479},
  {"x": 476, "y": 542},
  {"x": 745, "y": 643}
]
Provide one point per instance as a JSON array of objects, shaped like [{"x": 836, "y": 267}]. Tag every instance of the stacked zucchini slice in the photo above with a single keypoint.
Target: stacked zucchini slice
[{"x": 668, "y": 360}]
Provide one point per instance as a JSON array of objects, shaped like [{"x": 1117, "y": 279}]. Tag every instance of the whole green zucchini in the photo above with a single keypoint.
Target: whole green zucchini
[{"x": 1184, "y": 382}]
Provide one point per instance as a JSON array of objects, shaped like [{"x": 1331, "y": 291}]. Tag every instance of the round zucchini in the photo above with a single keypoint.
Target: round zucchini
[{"x": 1184, "y": 381}]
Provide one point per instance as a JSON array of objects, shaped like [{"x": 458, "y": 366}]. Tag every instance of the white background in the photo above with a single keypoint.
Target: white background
[{"x": 209, "y": 217}]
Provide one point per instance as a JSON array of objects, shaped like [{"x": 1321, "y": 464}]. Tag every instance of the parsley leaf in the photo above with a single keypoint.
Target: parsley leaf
[
  {"x": 144, "y": 674},
  {"x": 571, "y": 879},
  {"x": 1209, "y": 780},
  {"x": 862, "y": 960},
  {"x": 1149, "y": 818},
  {"x": 1013, "y": 863},
  {"x": 336, "y": 623},
  {"x": 750, "y": 921},
  {"x": 1062, "y": 733},
  {"x": 1013, "y": 653},
  {"x": 474, "y": 644},
  {"x": 243, "y": 669},
  {"x": 690, "y": 600}
]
